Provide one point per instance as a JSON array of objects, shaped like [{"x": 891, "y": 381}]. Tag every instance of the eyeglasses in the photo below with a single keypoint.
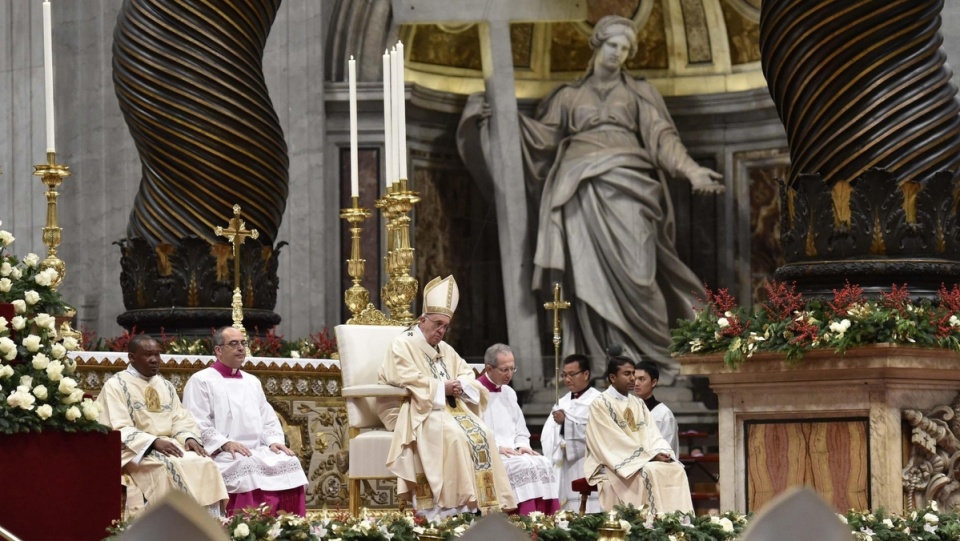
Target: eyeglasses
[
  {"x": 507, "y": 370},
  {"x": 440, "y": 326},
  {"x": 236, "y": 344},
  {"x": 568, "y": 375}
]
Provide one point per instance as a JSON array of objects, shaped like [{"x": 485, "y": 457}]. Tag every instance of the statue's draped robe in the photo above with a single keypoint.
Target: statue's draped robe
[
  {"x": 605, "y": 220},
  {"x": 236, "y": 409},
  {"x": 461, "y": 466},
  {"x": 622, "y": 439},
  {"x": 530, "y": 476},
  {"x": 569, "y": 449},
  {"x": 126, "y": 401}
]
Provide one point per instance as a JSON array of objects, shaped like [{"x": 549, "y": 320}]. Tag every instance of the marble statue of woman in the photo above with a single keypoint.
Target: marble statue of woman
[{"x": 599, "y": 154}]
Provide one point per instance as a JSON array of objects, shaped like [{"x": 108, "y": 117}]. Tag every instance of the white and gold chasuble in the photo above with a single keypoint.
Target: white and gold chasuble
[
  {"x": 461, "y": 467},
  {"x": 622, "y": 440},
  {"x": 143, "y": 410}
]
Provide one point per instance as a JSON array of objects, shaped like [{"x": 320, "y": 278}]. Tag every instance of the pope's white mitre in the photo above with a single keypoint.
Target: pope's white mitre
[{"x": 441, "y": 296}]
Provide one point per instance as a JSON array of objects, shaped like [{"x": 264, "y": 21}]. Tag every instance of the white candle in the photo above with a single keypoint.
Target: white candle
[
  {"x": 394, "y": 119},
  {"x": 387, "y": 120},
  {"x": 402, "y": 114},
  {"x": 354, "y": 164},
  {"x": 48, "y": 73}
]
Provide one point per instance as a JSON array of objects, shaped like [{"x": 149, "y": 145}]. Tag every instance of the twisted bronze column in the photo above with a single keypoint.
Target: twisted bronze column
[
  {"x": 188, "y": 75},
  {"x": 872, "y": 122}
]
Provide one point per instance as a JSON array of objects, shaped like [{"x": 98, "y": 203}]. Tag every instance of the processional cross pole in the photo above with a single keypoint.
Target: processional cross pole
[
  {"x": 555, "y": 306},
  {"x": 235, "y": 233}
]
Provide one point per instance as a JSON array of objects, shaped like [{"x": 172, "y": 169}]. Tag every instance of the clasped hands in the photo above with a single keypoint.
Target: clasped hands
[{"x": 453, "y": 388}]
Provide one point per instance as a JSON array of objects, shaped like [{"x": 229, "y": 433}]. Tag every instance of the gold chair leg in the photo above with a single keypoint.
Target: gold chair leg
[
  {"x": 354, "y": 489},
  {"x": 583, "y": 503}
]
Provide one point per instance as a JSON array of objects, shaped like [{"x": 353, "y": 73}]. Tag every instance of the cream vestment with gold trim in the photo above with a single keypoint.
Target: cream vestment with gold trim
[{"x": 622, "y": 439}]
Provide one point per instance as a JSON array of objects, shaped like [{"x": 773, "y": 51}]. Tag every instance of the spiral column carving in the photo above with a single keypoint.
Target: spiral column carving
[
  {"x": 871, "y": 117},
  {"x": 188, "y": 76}
]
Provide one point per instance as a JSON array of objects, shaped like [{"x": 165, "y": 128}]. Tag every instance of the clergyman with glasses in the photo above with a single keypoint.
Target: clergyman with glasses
[
  {"x": 563, "y": 438},
  {"x": 242, "y": 433},
  {"x": 532, "y": 475},
  {"x": 443, "y": 455}
]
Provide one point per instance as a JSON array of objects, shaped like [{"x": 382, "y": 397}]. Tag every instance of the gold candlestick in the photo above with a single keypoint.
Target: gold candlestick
[
  {"x": 401, "y": 288},
  {"x": 611, "y": 530},
  {"x": 52, "y": 174},
  {"x": 356, "y": 297}
]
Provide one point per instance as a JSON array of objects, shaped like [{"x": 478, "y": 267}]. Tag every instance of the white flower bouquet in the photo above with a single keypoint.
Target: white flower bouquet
[{"x": 37, "y": 391}]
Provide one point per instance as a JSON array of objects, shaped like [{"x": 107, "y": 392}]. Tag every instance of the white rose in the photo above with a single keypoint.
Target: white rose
[
  {"x": 45, "y": 321},
  {"x": 930, "y": 518},
  {"x": 5, "y": 269},
  {"x": 53, "y": 274},
  {"x": 888, "y": 523},
  {"x": 45, "y": 411},
  {"x": 6, "y": 238},
  {"x": 625, "y": 526},
  {"x": 40, "y": 391},
  {"x": 31, "y": 260},
  {"x": 40, "y": 361},
  {"x": 933, "y": 505},
  {"x": 294, "y": 354},
  {"x": 18, "y": 322},
  {"x": 75, "y": 396},
  {"x": 15, "y": 273},
  {"x": 70, "y": 343},
  {"x": 19, "y": 306},
  {"x": 241, "y": 531},
  {"x": 55, "y": 371},
  {"x": 91, "y": 411},
  {"x": 26, "y": 381},
  {"x": 67, "y": 386},
  {"x": 6, "y": 344},
  {"x": 5, "y": 284},
  {"x": 723, "y": 322},
  {"x": 21, "y": 398},
  {"x": 73, "y": 413},
  {"x": 3, "y": 323},
  {"x": 726, "y": 524},
  {"x": 69, "y": 366},
  {"x": 42, "y": 279},
  {"x": 58, "y": 351},
  {"x": 32, "y": 343},
  {"x": 6, "y": 371},
  {"x": 32, "y": 297}
]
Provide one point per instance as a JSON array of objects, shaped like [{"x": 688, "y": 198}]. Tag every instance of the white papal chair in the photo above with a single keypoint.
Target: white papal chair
[{"x": 362, "y": 350}]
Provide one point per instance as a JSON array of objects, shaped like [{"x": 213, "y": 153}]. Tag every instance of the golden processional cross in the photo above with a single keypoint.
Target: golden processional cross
[
  {"x": 235, "y": 233},
  {"x": 555, "y": 306}
]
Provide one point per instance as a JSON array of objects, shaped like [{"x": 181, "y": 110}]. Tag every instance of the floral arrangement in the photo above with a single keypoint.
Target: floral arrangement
[
  {"x": 36, "y": 390},
  {"x": 259, "y": 524},
  {"x": 319, "y": 345},
  {"x": 787, "y": 323},
  {"x": 638, "y": 524}
]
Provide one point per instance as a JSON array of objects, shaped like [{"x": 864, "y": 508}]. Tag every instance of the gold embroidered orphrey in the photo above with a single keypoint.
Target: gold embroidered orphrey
[{"x": 152, "y": 398}]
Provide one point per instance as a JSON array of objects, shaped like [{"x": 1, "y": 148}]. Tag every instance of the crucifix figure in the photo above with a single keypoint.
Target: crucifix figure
[
  {"x": 235, "y": 233},
  {"x": 494, "y": 18}
]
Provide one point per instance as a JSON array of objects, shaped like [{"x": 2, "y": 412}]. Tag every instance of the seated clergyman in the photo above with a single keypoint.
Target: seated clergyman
[
  {"x": 532, "y": 476},
  {"x": 627, "y": 457},
  {"x": 161, "y": 441}
]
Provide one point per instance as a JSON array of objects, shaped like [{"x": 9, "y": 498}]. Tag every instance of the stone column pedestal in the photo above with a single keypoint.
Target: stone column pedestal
[{"x": 830, "y": 422}]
